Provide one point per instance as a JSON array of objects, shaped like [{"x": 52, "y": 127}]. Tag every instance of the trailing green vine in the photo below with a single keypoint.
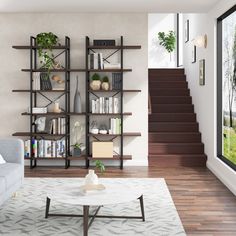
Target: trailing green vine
[{"x": 45, "y": 42}]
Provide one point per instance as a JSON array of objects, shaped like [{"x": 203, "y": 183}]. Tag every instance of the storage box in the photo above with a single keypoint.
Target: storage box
[{"x": 102, "y": 149}]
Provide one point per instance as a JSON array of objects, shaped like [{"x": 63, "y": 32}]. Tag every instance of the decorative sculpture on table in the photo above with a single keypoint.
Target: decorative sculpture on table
[
  {"x": 40, "y": 124},
  {"x": 77, "y": 99}
]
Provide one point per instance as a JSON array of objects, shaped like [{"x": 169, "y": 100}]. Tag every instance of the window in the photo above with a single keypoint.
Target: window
[{"x": 226, "y": 87}]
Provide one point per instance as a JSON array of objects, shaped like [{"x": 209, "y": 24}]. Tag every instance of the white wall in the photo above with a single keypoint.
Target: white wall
[
  {"x": 158, "y": 57},
  {"x": 15, "y": 29},
  {"x": 204, "y": 97}
]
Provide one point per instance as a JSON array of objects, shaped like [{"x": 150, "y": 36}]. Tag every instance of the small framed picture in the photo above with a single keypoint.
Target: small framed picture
[
  {"x": 194, "y": 50},
  {"x": 186, "y": 31},
  {"x": 202, "y": 72}
]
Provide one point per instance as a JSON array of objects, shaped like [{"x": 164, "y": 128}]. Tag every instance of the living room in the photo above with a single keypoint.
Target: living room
[{"x": 117, "y": 118}]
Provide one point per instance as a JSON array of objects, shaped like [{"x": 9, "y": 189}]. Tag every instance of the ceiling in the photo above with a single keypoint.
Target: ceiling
[{"x": 151, "y": 6}]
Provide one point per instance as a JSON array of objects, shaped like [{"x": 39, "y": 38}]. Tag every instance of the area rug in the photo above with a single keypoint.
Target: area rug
[{"x": 24, "y": 214}]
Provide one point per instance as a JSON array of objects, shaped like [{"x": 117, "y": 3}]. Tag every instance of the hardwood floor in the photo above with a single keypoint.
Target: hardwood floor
[{"x": 205, "y": 205}]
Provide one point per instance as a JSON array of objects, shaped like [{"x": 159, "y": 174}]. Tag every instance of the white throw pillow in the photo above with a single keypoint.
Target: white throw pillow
[{"x": 2, "y": 161}]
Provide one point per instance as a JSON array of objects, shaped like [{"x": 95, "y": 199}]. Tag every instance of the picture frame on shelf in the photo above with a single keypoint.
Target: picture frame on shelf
[
  {"x": 194, "y": 54},
  {"x": 202, "y": 72},
  {"x": 186, "y": 31}
]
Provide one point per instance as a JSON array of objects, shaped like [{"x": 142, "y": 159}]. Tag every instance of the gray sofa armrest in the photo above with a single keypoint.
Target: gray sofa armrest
[{"x": 12, "y": 150}]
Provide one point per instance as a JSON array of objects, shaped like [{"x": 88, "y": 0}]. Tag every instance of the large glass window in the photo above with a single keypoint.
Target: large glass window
[{"x": 227, "y": 87}]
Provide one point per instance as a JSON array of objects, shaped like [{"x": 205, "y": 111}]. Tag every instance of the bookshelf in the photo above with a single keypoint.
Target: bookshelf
[{"x": 65, "y": 93}]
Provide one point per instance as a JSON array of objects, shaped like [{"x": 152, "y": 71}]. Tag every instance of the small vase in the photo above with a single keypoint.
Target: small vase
[
  {"x": 77, "y": 99},
  {"x": 91, "y": 178}
]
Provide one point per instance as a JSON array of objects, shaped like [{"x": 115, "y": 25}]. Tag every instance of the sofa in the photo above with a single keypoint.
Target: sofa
[{"x": 11, "y": 172}]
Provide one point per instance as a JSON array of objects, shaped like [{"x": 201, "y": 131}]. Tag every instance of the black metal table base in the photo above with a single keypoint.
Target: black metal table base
[{"x": 86, "y": 216}]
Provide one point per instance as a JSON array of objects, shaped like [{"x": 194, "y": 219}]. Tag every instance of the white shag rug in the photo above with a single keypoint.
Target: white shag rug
[{"x": 24, "y": 214}]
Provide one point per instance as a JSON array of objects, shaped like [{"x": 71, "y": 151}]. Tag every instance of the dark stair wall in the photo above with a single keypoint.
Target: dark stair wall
[{"x": 174, "y": 138}]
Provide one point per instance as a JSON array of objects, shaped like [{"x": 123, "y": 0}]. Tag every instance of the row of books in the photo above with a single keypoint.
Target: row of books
[
  {"x": 95, "y": 61},
  {"x": 45, "y": 148},
  {"x": 105, "y": 105},
  {"x": 57, "y": 125},
  {"x": 41, "y": 81},
  {"x": 115, "y": 126}
]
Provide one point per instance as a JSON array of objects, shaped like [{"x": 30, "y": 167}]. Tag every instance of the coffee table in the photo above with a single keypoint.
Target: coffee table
[{"x": 113, "y": 194}]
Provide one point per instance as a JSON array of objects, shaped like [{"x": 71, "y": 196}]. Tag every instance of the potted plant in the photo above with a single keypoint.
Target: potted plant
[
  {"x": 167, "y": 41},
  {"x": 45, "y": 42},
  {"x": 100, "y": 166},
  {"x": 105, "y": 83},
  {"x": 96, "y": 82},
  {"x": 77, "y": 149}
]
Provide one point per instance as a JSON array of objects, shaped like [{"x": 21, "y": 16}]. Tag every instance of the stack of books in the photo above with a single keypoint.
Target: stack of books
[
  {"x": 115, "y": 126},
  {"x": 112, "y": 66},
  {"x": 45, "y": 148},
  {"x": 57, "y": 125},
  {"x": 105, "y": 105},
  {"x": 95, "y": 61}
]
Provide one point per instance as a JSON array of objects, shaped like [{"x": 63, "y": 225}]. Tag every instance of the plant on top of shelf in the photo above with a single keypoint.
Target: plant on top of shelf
[
  {"x": 45, "y": 42},
  {"x": 167, "y": 41},
  {"x": 96, "y": 82},
  {"x": 105, "y": 83},
  {"x": 100, "y": 166},
  {"x": 77, "y": 149}
]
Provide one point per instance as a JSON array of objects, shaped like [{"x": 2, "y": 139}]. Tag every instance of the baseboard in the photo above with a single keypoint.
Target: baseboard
[
  {"x": 138, "y": 162},
  {"x": 221, "y": 176}
]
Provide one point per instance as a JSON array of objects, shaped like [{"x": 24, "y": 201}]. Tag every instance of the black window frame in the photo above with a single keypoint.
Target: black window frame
[{"x": 219, "y": 87}]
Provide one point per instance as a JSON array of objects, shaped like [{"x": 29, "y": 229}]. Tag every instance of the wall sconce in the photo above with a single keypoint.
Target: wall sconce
[{"x": 200, "y": 41}]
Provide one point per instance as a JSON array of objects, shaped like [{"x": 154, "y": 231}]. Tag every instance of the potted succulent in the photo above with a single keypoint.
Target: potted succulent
[
  {"x": 77, "y": 149},
  {"x": 45, "y": 42},
  {"x": 105, "y": 83},
  {"x": 96, "y": 82},
  {"x": 167, "y": 41}
]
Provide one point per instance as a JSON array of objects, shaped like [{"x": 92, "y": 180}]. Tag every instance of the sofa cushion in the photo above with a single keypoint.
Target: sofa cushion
[
  {"x": 2, "y": 186},
  {"x": 11, "y": 172}
]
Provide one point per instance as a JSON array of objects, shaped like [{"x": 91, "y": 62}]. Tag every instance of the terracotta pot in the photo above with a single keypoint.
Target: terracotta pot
[
  {"x": 105, "y": 86},
  {"x": 95, "y": 85}
]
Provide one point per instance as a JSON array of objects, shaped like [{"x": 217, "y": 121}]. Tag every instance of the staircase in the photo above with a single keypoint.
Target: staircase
[{"x": 174, "y": 138}]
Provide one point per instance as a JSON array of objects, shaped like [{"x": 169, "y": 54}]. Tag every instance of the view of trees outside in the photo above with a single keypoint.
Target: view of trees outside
[{"x": 229, "y": 87}]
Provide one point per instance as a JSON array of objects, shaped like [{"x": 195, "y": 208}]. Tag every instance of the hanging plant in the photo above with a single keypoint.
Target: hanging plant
[
  {"x": 167, "y": 41},
  {"x": 45, "y": 42}
]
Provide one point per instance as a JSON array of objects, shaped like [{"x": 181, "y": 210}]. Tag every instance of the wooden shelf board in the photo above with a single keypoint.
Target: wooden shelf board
[
  {"x": 114, "y": 90},
  {"x": 45, "y": 158},
  {"x": 115, "y": 157},
  {"x": 110, "y": 114},
  {"x": 53, "y": 114},
  {"x": 54, "y": 70},
  {"x": 115, "y": 47},
  {"x": 37, "y": 91},
  {"x": 128, "y": 134},
  {"x": 26, "y": 134},
  {"x": 110, "y": 70},
  {"x": 37, "y": 47}
]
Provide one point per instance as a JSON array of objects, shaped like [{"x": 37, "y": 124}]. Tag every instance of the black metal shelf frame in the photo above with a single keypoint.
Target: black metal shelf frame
[
  {"x": 33, "y": 96},
  {"x": 89, "y": 49}
]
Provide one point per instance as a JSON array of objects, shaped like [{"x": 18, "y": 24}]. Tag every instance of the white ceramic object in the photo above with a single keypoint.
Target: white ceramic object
[
  {"x": 95, "y": 85},
  {"x": 91, "y": 178}
]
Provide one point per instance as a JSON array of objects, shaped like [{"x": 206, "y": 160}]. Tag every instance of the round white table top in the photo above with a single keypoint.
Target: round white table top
[{"x": 113, "y": 194}]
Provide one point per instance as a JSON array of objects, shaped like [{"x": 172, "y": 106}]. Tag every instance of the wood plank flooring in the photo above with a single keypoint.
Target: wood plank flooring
[{"x": 206, "y": 207}]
